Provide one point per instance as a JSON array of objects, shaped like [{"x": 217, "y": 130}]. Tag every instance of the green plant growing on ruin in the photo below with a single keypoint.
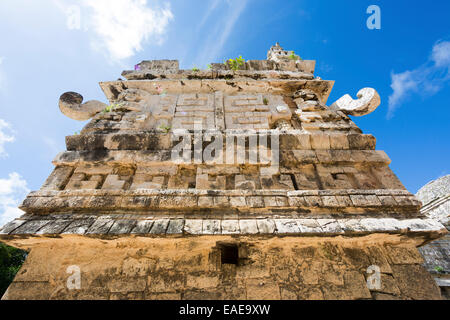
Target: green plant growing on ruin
[
  {"x": 195, "y": 69},
  {"x": 293, "y": 56},
  {"x": 112, "y": 107},
  {"x": 76, "y": 133},
  {"x": 439, "y": 269},
  {"x": 165, "y": 128},
  {"x": 265, "y": 101},
  {"x": 209, "y": 66},
  {"x": 235, "y": 64}
]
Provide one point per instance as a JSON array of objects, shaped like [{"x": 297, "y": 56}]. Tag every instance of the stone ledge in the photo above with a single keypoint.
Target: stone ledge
[
  {"x": 149, "y": 225},
  {"x": 112, "y": 89},
  {"x": 217, "y": 74},
  {"x": 311, "y": 201},
  {"x": 163, "y": 157},
  {"x": 289, "y": 140}
]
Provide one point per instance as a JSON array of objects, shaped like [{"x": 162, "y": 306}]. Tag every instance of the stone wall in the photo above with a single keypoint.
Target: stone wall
[{"x": 205, "y": 268}]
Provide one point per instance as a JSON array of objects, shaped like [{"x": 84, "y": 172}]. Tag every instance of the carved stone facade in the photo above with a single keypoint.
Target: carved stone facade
[{"x": 223, "y": 184}]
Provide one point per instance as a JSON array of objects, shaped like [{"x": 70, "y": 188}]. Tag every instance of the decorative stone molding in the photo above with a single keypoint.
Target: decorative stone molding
[
  {"x": 70, "y": 104},
  {"x": 368, "y": 100}
]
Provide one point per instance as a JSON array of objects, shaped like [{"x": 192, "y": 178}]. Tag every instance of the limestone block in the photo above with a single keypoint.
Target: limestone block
[
  {"x": 230, "y": 227},
  {"x": 302, "y": 156},
  {"x": 143, "y": 181},
  {"x": 205, "y": 202},
  {"x": 178, "y": 182},
  {"x": 320, "y": 141},
  {"x": 177, "y": 202},
  {"x": 160, "y": 66},
  {"x": 100, "y": 226},
  {"x": 222, "y": 201},
  {"x": 159, "y": 226},
  {"x": 309, "y": 226},
  {"x": 238, "y": 202},
  {"x": 361, "y": 141},
  {"x": 241, "y": 182},
  {"x": 31, "y": 226},
  {"x": 193, "y": 226},
  {"x": 207, "y": 182},
  {"x": 58, "y": 178},
  {"x": 176, "y": 226},
  {"x": 366, "y": 180},
  {"x": 55, "y": 227},
  {"x": 358, "y": 200},
  {"x": 272, "y": 202},
  {"x": 344, "y": 201},
  {"x": 266, "y": 226},
  {"x": 248, "y": 226},
  {"x": 113, "y": 182},
  {"x": 122, "y": 226},
  {"x": 313, "y": 201},
  {"x": 387, "y": 201},
  {"x": 11, "y": 226},
  {"x": 330, "y": 225},
  {"x": 287, "y": 226},
  {"x": 79, "y": 226},
  {"x": 211, "y": 227},
  {"x": 335, "y": 180},
  {"x": 142, "y": 227},
  {"x": 255, "y": 202},
  {"x": 281, "y": 182},
  {"x": 306, "y": 178},
  {"x": 330, "y": 201},
  {"x": 297, "y": 201},
  {"x": 380, "y": 225},
  {"x": 93, "y": 170},
  {"x": 339, "y": 142}
]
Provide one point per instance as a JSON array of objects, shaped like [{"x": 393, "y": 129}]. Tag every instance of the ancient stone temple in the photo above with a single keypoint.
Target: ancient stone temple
[
  {"x": 435, "y": 197},
  {"x": 236, "y": 182}
]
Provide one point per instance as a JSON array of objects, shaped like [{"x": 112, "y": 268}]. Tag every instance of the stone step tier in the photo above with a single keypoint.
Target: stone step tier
[
  {"x": 288, "y": 140},
  {"x": 228, "y": 202},
  {"x": 126, "y": 225}
]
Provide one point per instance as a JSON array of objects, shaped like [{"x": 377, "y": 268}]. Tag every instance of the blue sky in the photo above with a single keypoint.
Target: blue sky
[{"x": 47, "y": 48}]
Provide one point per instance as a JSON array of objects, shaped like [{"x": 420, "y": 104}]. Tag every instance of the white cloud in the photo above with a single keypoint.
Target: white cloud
[
  {"x": 427, "y": 79},
  {"x": 12, "y": 191},
  {"x": 5, "y": 136},
  {"x": 119, "y": 27},
  {"x": 441, "y": 54}
]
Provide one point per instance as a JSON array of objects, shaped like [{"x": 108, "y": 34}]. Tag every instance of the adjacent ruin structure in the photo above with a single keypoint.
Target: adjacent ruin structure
[
  {"x": 435, "y": 197},
  {"x": 222, "y": 184}
]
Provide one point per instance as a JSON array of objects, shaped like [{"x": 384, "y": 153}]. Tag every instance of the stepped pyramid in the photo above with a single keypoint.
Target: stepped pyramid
[{"x": 236, "y": 182}]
